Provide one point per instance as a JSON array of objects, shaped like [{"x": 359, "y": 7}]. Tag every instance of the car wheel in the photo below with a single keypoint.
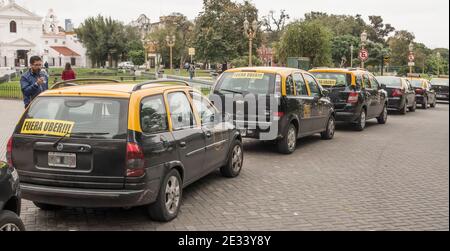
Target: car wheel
[
  {"x": 414, "y": 107},
  {"x": 168, "y": 201},
  {"x": 329, "y": 132},
  {"x": 433, "y": 105},
  {"x": 382, "y": 119},
  {"x": 9, "y": 221},
  {"x": 47, "y": 207},
  {"x": 288, "y": 143},
  {"x": 235, "y": 161},
  {"x": 361, "y": 123},
  {"x": 425, "y": 103},
  {"x": 404, "y": 110}
]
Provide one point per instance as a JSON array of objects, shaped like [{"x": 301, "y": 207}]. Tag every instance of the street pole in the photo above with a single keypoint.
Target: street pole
[
  {"x": 351, "y": 56},
  {"x": 171, "y": 66},
  {"x": 250, "y": 63}
]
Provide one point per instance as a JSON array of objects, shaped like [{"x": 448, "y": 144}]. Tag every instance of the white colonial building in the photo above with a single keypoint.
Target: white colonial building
[{"x": 24, "y": 34}]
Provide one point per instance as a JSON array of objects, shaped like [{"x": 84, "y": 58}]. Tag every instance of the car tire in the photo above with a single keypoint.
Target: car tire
[
  {"x": 9, "y": 221},
  {"x": 414, "y": 107},
  {"x": 425, "y": 103},
  {"x": 361, "y": 122},
  {"x": 47, "y": 207},
  {"x": 382, "y": 119},
  {"x": 404, "y": 110},
  {"x": 433, "y": 105},
  {"x": 331, "y": 127},
  {"x": 235, "y": 161},
  {"x": 288, "y": 143},
  {"x": 168, "y": 202}
]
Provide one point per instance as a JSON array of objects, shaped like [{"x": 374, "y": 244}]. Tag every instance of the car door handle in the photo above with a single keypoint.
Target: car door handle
[
  {"x": 208, "y": 134},
  {"x": 183, "y": 144}
]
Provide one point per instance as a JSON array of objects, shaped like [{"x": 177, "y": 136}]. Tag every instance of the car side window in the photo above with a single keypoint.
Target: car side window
[
  {"x": 313, "y": 86},
  {"x": 180, "y": 111},
  {"x": 204, "y": 108},
  {"x": 373, "y": 82},
  {"x": 366, "y": 82},
  {"x": 359, "y": 81},
  {"x": 153, "y": 115},
  {"x": 300, "y": 84},
  {"x": 289, "y": 86}
]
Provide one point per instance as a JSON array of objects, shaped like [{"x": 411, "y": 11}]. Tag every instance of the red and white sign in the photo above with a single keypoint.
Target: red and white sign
[
  {"x": 411, "y": 57},
  {"x": 363, "y": 55}
]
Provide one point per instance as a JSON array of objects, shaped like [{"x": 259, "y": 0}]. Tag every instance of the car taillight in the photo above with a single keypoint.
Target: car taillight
[
  {"x": 353, "y": 98},
  {"x": 278, "y": 114},
  {"x": 278, "y": 86},
  {"x": 397, "y": 93},
  {"x": 135, "y": 160},
  {"x": 419, "y": 91},
  {"x": 9, "y": 149}
]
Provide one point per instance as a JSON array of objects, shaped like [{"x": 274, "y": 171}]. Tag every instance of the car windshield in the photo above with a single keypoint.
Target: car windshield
[
  {"x": 246, "y": 82},
  {"x": 417, "y": 83},
  {"x": 330, "y": 79},
  {"x": 439, "y": 81},
  {"x": 104, "y": 118},
  {"x": 390, "y": 81}
]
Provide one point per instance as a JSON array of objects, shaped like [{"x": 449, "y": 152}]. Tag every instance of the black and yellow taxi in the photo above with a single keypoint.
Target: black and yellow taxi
[
  {"x": 121, "y": 145},
  {"x": 425, "y": 95},
  {"x": 275, "y": 104},
  {"x": 10, "y": 200},
  {"x": 401, "y": 94},
  {"x": 440, "y": 86},
  {"x": 356, "y": 94}
]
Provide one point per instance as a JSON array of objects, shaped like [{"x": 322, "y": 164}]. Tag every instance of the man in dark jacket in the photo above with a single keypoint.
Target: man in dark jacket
[{"x": 33, "y": 82}]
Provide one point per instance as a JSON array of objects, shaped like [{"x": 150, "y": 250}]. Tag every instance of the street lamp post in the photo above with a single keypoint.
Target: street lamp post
[
  {"x": 250, "y": 32},
  {"x": 438, "y": 55},
  {"x": 363, "y": 44},
  {"x": 351, "y": 55},
  {"x": 171, "y": 43},
  {"x": 411, "y": 49}
]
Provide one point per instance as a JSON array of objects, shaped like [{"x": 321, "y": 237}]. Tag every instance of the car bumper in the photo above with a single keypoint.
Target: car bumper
[
  {"x": 419, "y": 99},
  {"x": 395, "y": 103},
  {"x": 261, "y": 130},
  {"x": 442, "y": 96},
  {"x": 349, "y": 114},
  {"x": 76, "y": 197}
]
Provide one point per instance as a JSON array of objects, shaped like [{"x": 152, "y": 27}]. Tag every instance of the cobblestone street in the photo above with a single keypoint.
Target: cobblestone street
[{"x": 389, "y": 177}]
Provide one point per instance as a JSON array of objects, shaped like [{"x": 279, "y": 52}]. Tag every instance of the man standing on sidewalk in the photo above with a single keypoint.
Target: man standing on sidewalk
[
  {"x": 33, "y": 82},
  {"x": 192, "y": 71}
]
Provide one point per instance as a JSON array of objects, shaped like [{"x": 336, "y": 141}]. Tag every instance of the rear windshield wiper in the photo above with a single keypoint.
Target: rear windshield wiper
[{"x": 79, "y": 134}]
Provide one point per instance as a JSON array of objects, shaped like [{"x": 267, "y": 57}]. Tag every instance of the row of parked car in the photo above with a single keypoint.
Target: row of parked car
[{"x": 125, "y": 145}]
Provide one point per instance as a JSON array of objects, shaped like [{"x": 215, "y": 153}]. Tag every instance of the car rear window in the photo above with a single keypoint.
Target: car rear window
[
  {"x": 417, "y": 83},
  {"x": 105, "y": 118},
  {"x": 246, "y": 82},
  {"x": 333, "y": 79},
  {"x": 390, "y": 81},
  {"x": 439, "y": 82}
]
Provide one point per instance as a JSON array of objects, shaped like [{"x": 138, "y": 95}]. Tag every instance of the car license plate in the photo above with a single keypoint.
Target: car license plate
[{"x": 68, "y": 160}]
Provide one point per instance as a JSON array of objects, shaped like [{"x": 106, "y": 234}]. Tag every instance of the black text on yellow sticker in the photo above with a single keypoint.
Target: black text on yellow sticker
[
  {"x": 47, "y": 127},
  {"x": 248, "y": 75}
]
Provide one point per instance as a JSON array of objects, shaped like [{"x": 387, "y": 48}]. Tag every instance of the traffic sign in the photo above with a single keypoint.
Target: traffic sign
[
  {"x": 411, "y": 57},
  {"x": 191, "y": 51},
  {"x": 363, "y": 55}
]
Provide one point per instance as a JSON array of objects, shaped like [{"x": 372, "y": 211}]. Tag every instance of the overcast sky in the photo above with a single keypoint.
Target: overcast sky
[{"x": 428, "y": 20}]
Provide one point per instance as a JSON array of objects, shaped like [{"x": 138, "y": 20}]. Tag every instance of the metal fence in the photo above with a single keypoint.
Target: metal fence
[{"x": 8, "y": 91}]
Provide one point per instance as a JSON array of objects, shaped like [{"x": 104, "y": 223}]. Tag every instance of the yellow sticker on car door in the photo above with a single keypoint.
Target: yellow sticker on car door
[{"x": 47, "y": 127}]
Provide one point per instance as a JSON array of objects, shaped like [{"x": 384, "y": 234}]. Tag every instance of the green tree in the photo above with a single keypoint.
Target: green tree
[
  {"x": 274, "y": 25},
  {"x": 104, "y": 38},
  {"x": 379, "y": 31},
  {"x": 219, "y": 30},
  {"x": 399, "y": 47},
  {"x": 340, "y": 47},
  {"x": 306, "y": 39},
  {"x": 137, "y": 57}
]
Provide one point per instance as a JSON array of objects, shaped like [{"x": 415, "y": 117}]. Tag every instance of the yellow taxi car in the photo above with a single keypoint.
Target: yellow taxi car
[
  {"x": 425, "y": 94},
  {"x": 121, "y": 145},
  {"x": 275, "y": 104},
  {"x": 356, "y": 94}
]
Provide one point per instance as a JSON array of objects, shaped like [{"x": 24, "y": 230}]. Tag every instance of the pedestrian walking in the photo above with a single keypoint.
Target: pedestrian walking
[
  {"x": 34, "y": 81},
  {"x": 68, "y": 73}
]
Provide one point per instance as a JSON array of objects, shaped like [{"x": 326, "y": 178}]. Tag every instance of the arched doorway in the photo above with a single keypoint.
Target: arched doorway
[{"x": 22, "y": 58}]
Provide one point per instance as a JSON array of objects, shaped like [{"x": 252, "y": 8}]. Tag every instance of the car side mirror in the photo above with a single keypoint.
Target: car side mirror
[
  {"x": 325, "y": 93},
  {"x": 383, "y": 86}
]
